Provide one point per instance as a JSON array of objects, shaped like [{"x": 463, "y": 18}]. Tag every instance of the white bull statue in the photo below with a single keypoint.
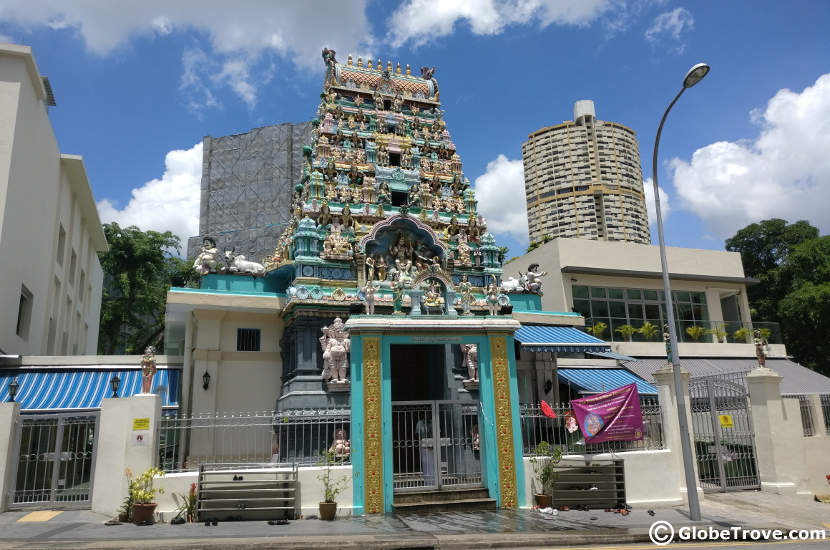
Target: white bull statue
[
  {"x": 238, "y": 264},
  {"x": 512, "y": 284}
]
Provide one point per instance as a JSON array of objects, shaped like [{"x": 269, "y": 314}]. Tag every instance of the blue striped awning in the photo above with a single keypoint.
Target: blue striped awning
[
  {"x": 562, "y": 339},
  {"x": 68, "y": 389},
  {"x": 602, "y": 380}
]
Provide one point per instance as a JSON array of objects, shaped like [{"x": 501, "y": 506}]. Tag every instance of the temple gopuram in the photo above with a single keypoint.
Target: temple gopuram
[{"x": 384, "y": 301}]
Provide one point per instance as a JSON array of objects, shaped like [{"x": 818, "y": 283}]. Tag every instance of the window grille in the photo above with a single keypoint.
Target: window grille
[{"x": 247, "y": 339}]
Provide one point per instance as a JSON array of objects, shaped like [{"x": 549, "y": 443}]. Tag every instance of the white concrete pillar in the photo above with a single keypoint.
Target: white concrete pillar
[
  {"x": 779, "y": 445},
  {"x": 9, "y": 417},
  {"x": 819, "y": 428},
  {"x": 715, "y": 310},
  {"x": 127, "y": 438},
  {"x": 664, "y": 378}
]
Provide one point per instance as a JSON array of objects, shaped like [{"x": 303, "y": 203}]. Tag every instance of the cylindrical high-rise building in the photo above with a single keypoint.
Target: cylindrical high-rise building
[{"x": 583, "y": 179}]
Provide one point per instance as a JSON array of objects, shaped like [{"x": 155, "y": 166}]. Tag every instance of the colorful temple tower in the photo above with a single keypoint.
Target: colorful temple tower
[{"x": 392, "y": 302}]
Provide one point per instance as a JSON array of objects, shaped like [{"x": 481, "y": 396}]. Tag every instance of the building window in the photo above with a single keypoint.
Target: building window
[
  {"x": 24, "y": 312},
  {"x": 61, "y": 243},
  {"x": 247, "y": 339},
  {"x": 73, "y": 262}
]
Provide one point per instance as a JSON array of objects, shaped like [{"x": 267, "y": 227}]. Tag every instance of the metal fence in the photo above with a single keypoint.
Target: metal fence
[
  {"x": 825, "y": 411},
  {"x": 298, "y": 436},
  {"x": 807, "y": 423},
  {"x": 536, "y": 428}
]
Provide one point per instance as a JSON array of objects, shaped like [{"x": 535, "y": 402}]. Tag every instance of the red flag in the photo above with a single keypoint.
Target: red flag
[{"x": 547, "y": 410}]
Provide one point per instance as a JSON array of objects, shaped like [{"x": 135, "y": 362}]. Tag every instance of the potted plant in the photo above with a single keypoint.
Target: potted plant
[
  {"x": 544, "y": 461},
  {"x": 332, "y": 486},
  {"x": 695, "y": 332},
  {"x": 626, "y": 331},
  {"x": 142, "y": 494},
  {"x": 649, "y": 331},
  {"x": 186, "y": 505},
  {"x": 718, "y": 332},
  {"x": 598, "y": 329}
]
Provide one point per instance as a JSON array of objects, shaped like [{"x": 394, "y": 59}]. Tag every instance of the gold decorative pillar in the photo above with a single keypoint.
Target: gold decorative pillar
[
  {"x": 504, "y": 422},
  {"x": 372, "y": 431}
]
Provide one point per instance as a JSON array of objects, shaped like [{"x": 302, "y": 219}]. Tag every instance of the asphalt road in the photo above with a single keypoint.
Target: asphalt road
[{"x": 776, "y": 545}]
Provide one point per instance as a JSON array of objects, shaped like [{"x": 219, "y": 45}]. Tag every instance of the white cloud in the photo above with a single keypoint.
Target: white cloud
[
  {"x": 169, "y": 203},
  {"x": 665, "y": 204},
  {"x": 671, "y": 26},
  {"x": 239, "y": 35},
  {"x": 501, "y": 198},
  {"x": 420, "y": 21},
  {"x": 784, "y": 172}
]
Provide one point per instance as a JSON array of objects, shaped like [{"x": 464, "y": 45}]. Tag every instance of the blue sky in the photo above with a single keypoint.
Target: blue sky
[{"x": 139, "y": 84}]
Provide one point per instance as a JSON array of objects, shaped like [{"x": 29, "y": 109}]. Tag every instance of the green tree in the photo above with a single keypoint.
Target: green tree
[
  {"x": 138, "y": 271},
  {"x": 764, "y": 247},
  {"x": 793, "y": 265}
]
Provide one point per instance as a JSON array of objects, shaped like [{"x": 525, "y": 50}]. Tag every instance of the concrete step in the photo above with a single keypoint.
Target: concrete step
[
  {"x": 414, "y": 497},
  {"x": 430, "y": 506}
]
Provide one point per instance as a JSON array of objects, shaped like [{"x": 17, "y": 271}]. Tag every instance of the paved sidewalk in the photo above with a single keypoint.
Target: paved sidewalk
[{"x": 480, "y": 529}]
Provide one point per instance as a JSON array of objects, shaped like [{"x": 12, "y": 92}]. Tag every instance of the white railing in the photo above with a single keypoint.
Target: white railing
[{"x": 296, "y": 436}]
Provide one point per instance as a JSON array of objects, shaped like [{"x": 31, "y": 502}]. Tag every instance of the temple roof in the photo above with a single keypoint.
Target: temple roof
[{"x": 372, "y": 76}]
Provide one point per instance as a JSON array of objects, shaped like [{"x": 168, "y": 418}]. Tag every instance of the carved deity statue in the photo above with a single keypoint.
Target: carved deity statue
[
  {"x": 330, "y": 61},
  {"x": 462, "y": 252},
  {"x": 346, "y": 219},
  {"x": 380, "y": 266},
  {"x": 355, "y": 177},
  {"x": 465, "y": 290},
  {"x": 336, "y": 344},
  {"x": 341, "y": 447},
  {"x": 453, "y": 228},
  {"x": 205, "y": 262},
  {"x": 534, "y": 279},
  {"x": 432, "y": 295},
  {"x": 760, "y": 348},
  {"x": 493, "y": 297},
  {"x": 148, "y": 369},
  {"x": 336, "y": 244},
  {"x": 370, "y": 268},
  {"x": 470, "y": 360},
  {"x": 369, "y": 292}
]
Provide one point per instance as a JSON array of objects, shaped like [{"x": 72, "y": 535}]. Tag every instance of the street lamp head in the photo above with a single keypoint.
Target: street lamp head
[{"x": 695, "y": 75}]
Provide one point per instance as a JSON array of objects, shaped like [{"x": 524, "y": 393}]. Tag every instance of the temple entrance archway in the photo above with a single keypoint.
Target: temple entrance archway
[{"x": 435, "y": 432}]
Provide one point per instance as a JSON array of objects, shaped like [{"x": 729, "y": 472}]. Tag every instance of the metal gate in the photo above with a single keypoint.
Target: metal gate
[
  {"x": 435, "y": 445},
  {"x": 724, "y": 438},
  {"x": 56, "y": 460}
]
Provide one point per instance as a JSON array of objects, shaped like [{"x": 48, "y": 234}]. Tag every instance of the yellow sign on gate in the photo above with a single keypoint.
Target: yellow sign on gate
[
  {"x": 726, "y": 421},
  {"x": 141, "y": 424}
]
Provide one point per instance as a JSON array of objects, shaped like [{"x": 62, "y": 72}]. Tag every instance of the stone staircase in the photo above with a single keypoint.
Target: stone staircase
[{"x": 446, "y": 500}]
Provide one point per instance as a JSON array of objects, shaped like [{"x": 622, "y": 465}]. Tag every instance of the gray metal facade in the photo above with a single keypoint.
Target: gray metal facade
[{"x": 247, "y": 181}]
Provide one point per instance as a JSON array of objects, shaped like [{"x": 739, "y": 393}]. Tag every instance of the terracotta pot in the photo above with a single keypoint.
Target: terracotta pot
[
  {"x": 143, "y": 513},
  {"x": 327, "y": 510},
  {"x": 543, "y": 501}
]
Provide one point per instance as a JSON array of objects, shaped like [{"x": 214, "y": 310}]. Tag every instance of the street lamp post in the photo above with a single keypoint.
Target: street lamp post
[{"x": 694, "y": 76}]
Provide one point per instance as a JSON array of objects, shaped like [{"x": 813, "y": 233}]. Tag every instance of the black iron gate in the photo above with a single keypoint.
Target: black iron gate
[
  {"x": 724, "y": 438},
  {"x": 435, "y": 445},
  {"x": 56, "y": 460}
]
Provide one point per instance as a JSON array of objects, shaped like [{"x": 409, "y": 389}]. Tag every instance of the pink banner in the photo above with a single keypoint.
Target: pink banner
[{"x": 611, "y": 416}]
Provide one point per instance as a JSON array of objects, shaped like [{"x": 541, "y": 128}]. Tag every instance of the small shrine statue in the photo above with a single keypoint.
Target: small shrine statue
[
  {"x": 453, "y": 228},
  {"x": 346, "y": 219},
  {"x": 205, "y": 262},
  {"x": 341, "y": 448},
  {"x": 493, "y": 297},
  {"x": 336, "y": 244},
  {"x": 470, "y": 360},
  {"x": 397, "y": 296},
  {"x": 380, "y": 266},
  {"x": 331, "y": 62},
  {"x": 355, "y": 177},
  {"x": 462, "y": 252},
  {"x": 432, "y": 296},
  {"x": 760, "y": 348},
  {"x": 369, "y": 292},
  {"x": 324, "y": 218},
  {"x": 370, "y": 269},
  {"x": 148, "y": 369},
  {"x": 534, "y": 279},
  {"x": 465, "y": 289},
  {"x": 336, "y": 344}
]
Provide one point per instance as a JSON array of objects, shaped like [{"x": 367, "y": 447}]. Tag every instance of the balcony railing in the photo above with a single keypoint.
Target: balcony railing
[{"x": 700, "y": 332}]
